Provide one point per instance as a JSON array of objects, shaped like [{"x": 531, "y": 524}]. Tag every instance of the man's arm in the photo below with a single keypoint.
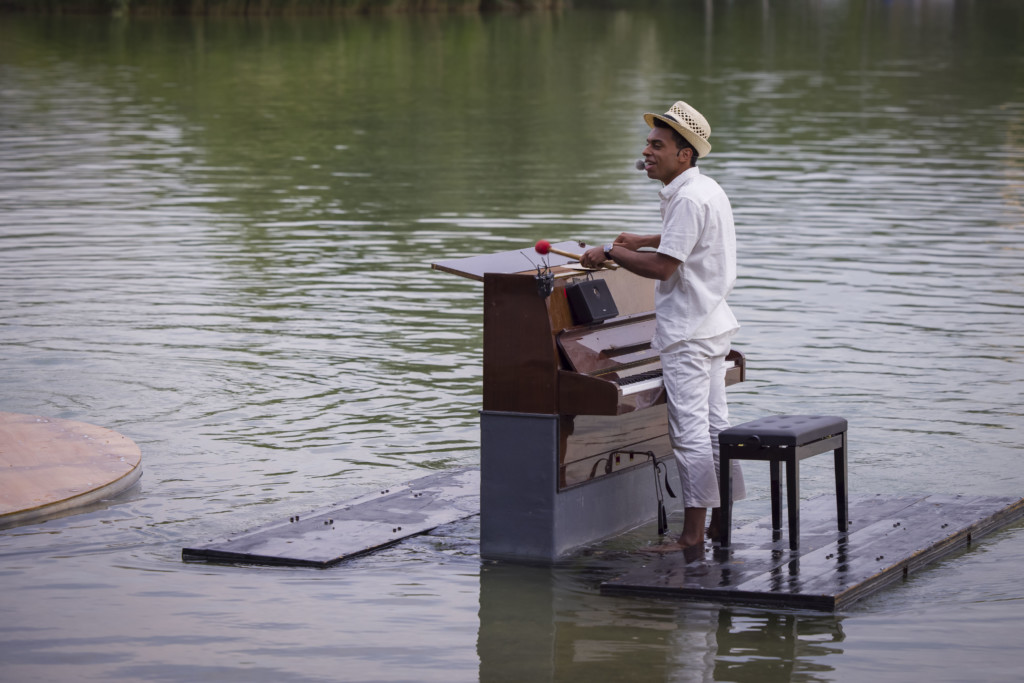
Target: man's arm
[
  {"x": 637, "y": 242},
  {"x": 649, "y": 264}
]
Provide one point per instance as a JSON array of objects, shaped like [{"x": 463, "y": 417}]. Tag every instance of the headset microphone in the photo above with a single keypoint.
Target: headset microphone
[{"x": 640, "y": 164}]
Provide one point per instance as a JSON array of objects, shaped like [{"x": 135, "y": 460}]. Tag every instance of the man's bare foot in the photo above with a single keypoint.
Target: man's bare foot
[
  {"x": 694, "y": 553},
  {"x": 690, "y": 553},
  {"x": 664, "y": 548},
  {"x": 675, "y": 547},
  {"x": 713, "y": 525}
]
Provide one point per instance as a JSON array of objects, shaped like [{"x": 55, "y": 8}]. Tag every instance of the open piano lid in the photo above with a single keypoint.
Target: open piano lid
[{"x": 517, "y": 261}]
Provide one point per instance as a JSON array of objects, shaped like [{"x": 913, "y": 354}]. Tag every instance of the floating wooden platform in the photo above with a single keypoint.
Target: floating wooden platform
[
  {"x": 326, "y": 537},
  {"x": 50, "y": 466},
  {"x": 888, "y": 539}
]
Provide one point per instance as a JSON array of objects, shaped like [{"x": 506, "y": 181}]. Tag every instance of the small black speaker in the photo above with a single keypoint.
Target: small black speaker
[{"x": 590, "y": 302}]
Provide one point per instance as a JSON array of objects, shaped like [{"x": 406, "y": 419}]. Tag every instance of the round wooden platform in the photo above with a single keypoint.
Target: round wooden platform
[{"x": 49, "y": 466}]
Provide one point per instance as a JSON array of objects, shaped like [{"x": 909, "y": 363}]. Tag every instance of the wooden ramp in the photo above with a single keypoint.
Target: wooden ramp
[
  {"x": 888, "y": 539},
  {"x": 49, "y": 466},
  {"x": 326, "y": 537}
]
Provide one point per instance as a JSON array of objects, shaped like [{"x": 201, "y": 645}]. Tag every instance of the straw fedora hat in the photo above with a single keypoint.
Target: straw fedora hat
[{"x": 689, "y": 123}]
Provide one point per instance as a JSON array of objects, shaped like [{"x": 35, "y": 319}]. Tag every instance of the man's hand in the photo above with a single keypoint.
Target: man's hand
[
  {"x": 628, "y": 240},
  {"x": 593, "y": 257}
]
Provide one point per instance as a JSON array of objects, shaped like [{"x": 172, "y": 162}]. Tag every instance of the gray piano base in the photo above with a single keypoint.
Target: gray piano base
[{"x": 523, "y": 515}]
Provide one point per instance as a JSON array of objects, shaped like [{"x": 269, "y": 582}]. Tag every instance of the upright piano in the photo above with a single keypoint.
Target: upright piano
[{"x": 574, "y": 420}]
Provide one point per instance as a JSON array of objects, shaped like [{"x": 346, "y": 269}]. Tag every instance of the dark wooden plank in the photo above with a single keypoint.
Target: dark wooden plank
[
  {"x": 888, "y": 538},
  {"x": 754, "y": 554},
  {"x": 890, "y": 548},
  {"x": 936, "y": 527},
  {"x": 326, "y": 537}
]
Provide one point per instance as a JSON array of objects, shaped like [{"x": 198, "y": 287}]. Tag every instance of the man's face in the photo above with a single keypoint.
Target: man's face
[{"x": 663, "y": 160}]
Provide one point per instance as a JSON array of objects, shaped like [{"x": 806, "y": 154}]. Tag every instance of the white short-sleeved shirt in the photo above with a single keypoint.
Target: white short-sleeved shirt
[{"x": 698, "y": 230}]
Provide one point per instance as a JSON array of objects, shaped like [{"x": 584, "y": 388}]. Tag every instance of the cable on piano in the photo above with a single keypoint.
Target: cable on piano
[
  {"x": 607, "y": 466},
  {"x": 662, "y": 516},
  {"x": 544, "y": 277}
]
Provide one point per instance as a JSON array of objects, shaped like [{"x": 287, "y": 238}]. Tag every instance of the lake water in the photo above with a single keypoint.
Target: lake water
[{"x": 215, "y": 238}]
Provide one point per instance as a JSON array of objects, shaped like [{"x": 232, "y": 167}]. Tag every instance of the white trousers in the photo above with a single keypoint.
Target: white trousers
[{"x": 694, "y": 375}]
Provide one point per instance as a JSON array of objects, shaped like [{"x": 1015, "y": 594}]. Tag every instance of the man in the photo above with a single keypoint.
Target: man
[{"x": 694, "y": 263}]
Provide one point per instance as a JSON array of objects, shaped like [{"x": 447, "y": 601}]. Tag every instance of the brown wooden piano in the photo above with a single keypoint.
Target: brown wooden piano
[{"x": 574, "y": 413}]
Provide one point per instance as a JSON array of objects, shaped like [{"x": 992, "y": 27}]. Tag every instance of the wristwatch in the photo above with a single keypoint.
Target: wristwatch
[{"x": 608, "y": 250}]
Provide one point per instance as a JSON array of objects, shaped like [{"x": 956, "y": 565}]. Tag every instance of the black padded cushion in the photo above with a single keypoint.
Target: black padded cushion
[{"x": 784, "y": 430}]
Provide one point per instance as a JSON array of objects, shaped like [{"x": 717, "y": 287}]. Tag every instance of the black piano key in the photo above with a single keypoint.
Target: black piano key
[{"x": 638, "y": 377}]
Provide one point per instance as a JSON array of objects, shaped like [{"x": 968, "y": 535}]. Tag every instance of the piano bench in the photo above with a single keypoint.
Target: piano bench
[{"x": 783, "y": 439}]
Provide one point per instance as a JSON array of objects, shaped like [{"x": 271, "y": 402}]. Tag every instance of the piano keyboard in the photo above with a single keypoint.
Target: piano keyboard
[
  {"x": 642, "y": 381},
  {"x": 649, "y": 379}
]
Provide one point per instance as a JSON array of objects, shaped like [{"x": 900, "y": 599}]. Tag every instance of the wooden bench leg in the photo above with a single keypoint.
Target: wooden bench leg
[
  {"x": 724, "y": 499},
  {"x": 842, "y": 499},
  {"x": 776, "y": 491},
  {"x": 793, "y": 501}
]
